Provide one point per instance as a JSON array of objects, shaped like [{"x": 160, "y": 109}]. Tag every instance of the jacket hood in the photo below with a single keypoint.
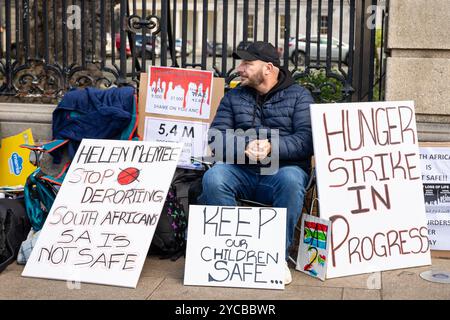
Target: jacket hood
[{"x": 285, "y": 80}]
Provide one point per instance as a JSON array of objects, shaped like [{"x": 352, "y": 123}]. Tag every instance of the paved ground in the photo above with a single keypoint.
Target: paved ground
[{"x": 163, "y": 280}]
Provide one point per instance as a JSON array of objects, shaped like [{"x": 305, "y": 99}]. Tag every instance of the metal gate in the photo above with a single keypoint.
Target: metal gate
[{"x": 50, "y": 46}]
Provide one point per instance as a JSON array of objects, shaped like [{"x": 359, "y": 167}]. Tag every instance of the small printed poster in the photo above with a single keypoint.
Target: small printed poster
[
  {"x": 313, "y": 248},
  {"x": 435, "y": 164},
  {"x": 179, "y": 92},
  {"x": 193, "y": 135}
]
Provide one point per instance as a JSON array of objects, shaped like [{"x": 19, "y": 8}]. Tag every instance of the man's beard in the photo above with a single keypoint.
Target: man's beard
[{"x": 256, "y": 80}]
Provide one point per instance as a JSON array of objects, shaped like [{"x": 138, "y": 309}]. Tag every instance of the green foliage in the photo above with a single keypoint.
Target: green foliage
[
  {"x": 330, "y": 88},
  {"x": 378, "y": 38},
  {"x": 376, "y": 88}
]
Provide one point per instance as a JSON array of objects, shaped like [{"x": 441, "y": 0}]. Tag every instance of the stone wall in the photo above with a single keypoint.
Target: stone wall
[
  {"x": 16, "y": 117},
  {"x": 419, "y": 64}
]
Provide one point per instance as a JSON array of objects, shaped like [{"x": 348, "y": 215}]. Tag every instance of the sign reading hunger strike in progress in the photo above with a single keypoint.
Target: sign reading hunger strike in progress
[
  {"x": 370, "y": 187},
  {"x": 103, "y": 219},
  {"x": 235, "y": 247},
  {"x": 179, "y": 92}
]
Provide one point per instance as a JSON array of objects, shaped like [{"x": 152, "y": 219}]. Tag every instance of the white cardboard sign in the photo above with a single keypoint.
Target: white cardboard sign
[
  {"x": 235, "y": 247},
  {"x": 369, "y": 185},
  {"x": 193, "y": 134},
  {"x": 102, "y": 222},
  {"x": 435, "y": 162}
]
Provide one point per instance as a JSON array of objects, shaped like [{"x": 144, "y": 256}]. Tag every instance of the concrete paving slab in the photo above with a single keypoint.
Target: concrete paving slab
[
  {"x": 156, "y": 267},
  {"x": 163, "y": 279},
  {"x": 163, "y": 268},
  {"x": 357, "y": 281},
  {"x": 407, "y": 283},
  {"x": 13, "y": 266},
  {"x": 174, "y": 289},
  {"x": 14, "y": 286},
  {"x": 361, "y": 294}
]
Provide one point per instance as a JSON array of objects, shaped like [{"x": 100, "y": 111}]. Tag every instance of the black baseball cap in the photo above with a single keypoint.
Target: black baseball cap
[{"x": 259, "y": 50}]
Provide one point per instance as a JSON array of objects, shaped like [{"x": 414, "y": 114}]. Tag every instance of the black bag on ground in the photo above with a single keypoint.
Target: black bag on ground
[
  {"x": 169, "y": 238},
  {"x": 14, "y": 228},
  {"x": 195, "y": 190}
]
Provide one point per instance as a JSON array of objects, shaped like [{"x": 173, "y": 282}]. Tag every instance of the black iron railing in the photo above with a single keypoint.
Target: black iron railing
[{"x": 50, "y": 46}]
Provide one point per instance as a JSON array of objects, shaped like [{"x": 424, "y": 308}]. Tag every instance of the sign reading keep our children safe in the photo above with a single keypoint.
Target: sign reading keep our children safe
[
  {"x": 235, "y": 247},
  {"x": 370, "y": 187},
  {"x": 103, "y": 219}
]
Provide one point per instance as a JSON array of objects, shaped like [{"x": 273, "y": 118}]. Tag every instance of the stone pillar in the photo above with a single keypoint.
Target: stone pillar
[{"x": 419, "y": 64}]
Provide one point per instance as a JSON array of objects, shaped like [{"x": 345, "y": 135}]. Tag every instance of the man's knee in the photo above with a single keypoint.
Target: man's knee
[
  {"x": 215, "y": 177},
  {"x": 293, "y": 177}
]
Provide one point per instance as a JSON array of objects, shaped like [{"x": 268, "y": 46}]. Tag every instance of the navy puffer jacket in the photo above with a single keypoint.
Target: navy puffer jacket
[{"x": 285, "y": 107}]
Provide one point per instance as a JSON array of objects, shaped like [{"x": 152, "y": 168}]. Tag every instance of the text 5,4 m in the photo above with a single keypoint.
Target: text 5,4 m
[{"x": 187, "y": 131}]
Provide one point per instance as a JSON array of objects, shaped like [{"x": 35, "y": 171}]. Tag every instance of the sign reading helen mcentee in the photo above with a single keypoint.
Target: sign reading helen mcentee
[
  {"x": 102, "y": 222},
  {"x": 370, "y": 187}
]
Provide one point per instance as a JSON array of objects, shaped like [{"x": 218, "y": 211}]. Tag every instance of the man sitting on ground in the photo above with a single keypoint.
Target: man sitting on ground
[{"x": 267, "y": 99}]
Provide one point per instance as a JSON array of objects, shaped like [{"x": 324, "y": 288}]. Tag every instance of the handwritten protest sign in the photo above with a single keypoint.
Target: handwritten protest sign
[
  {"x": 435, "y": 164},
  {"x": 235, "y": 247},
  {"x": 369, "y": 185},
  {"x": 314, "y": 246},
  {"x": 193, "y": 135},
  {"x": 103, "y": 219},
  {"x": 179, "y": 92}
]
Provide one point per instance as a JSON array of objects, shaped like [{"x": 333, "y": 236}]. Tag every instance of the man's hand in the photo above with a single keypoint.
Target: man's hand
[{"x": 258, "y": 149}]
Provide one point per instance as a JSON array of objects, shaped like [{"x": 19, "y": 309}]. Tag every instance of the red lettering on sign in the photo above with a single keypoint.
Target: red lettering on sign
[{"x": 186, "y": 79}]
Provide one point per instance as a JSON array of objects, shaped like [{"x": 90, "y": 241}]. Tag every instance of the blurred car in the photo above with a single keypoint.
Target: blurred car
[
  {"x": 179, "y": 44},
  {"x": 108, "y": 46},
  {"x": 178, "y": 47},
  {"x": 299, "y": 55},
  {"x": 139, "y": 43},
  {"x": 118, "y": 43},
  {"x": 139, "y": 40},
  {"x": 218, "y": 49}
]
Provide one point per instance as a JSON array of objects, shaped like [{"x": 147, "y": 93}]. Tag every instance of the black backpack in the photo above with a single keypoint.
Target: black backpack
[
  {"x": 14, "y": 228},
  {"x": 169, "y": 238}
]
